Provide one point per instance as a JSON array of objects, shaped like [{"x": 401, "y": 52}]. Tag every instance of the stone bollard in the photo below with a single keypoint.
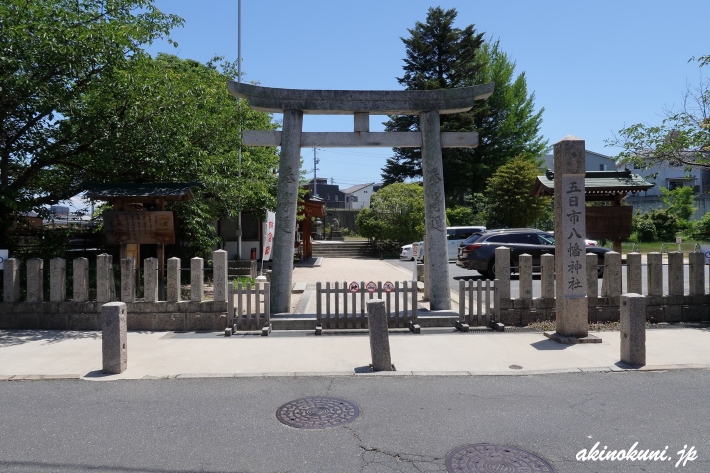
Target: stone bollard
[
  {"x": 197, "y": 284},
  {"x": 128, "y": 280},
  {"x": 379, "y": 335},
  {"x": 150, "y": 280},
  {"x": 633, "y": 273},
  {"x": 502, "y": 270},
  {"x": 419, "y": 272},
  {"x": 173, "y": 280},
  {"x": 35, "y": 280},
  {"x": 633, "y": 329},
  {"x": 219, "y": 275},
  {"x": 11, "y": 280},
  {"x": 80, "y": 275},
  {"x": 114, "y": 337},
  {"x": 57, "y": 280}
]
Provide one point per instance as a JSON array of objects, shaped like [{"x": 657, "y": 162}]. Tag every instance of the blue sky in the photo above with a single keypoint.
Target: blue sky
[{"x": 595, "y": 67}]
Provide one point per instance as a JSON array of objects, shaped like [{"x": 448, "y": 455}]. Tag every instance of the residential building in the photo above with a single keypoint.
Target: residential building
[
  {"x": 358, "y": 197},
  {"x": 593, "y": 162}
]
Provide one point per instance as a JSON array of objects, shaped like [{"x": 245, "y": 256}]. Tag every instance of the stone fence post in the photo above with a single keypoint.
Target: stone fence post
[
  {"x": 525, "y": 276},
  {"x": 35, "y": 280},
  {"x": 611, "y": 284},
  {"x": 174, "y": 280},
  {"x": 128, "y": 280},
  {"x": 633, "y": 273},
  {"x": 57, "y": 280},
  {"x": 150, "y": 279},
  {"x": 675, "y": 273},
  {"x": 104, "y": 278},
  {"x": 592, "y": 275},
  {"x": 219, "y": 276},
  {"x": 547, "y": 276},
  {"x": 11, "y": 280},
  {"x": 502, "y": 270},
  {"x": 80, "y": 276},
  {"x": 654, "y": 268},
  {"x": 697, "y": 273},
  {"x": 197, "y": 284}
]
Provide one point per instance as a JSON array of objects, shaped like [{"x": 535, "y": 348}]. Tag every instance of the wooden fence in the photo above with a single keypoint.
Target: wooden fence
[
  {"x": 354, "y": 316},
  {"x": 484, "y": 314},
  {"x": 244, "y": 307}
]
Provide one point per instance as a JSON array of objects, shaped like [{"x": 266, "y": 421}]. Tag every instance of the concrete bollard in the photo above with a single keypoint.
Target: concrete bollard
[
  {"x": 379, "y": 335},
  {"x": 114, "y": 337},
  {"x": 80, "y": 275},
  {"x": 11, "y": 280},
  {"x": 197, "y": 284},
  {"x": 633, "y": 329}
]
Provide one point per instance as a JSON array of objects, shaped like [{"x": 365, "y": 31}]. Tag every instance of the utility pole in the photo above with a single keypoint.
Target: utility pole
[
  {"x": 315, "y": 168},
  {"x": 239, "y": 79}
]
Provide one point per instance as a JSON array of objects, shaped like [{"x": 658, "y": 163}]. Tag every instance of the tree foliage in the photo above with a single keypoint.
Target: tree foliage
[
  {"x": 508, "y": 191},
  {"x": 681, "y": 139},
  {"x": 396, "y": 213},
  {"x": 680, "y": 201},
  {"x": 439, "y": 56},
  {"x": 82, "y": 102}
]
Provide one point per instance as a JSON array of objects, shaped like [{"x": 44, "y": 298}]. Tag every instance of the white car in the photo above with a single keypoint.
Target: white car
[
  {"x": 454, "y": 236},
  {"x": 405, "y": 253}
]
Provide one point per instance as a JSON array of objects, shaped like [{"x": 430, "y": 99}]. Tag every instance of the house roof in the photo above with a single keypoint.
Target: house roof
[
  {"x": 141, "y": 192},
  {"x": 599, "y": 185},
  {"x": 353, "y": 189}
]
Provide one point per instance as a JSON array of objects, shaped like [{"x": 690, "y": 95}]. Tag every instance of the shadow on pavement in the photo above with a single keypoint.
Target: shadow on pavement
[
  {"x": 19, "y": 337},
  {"x": 549, "y": 345}
]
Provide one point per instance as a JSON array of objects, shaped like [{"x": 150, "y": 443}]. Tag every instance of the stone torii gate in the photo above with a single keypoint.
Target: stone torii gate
[{"x": 293, "y": 103}]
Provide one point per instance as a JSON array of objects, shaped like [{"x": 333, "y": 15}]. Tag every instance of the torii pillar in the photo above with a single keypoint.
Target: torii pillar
[{"x": 293, "y": 103}]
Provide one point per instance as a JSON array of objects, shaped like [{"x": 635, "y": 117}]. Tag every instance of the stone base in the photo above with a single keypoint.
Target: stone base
[
  {"x": 265, "y": 331},
  {"x": 498, "y": 327},
  {"x": 414, "y": 328},
  {"x": 572, "y": 340},
  {"x": 336, "y": 236},
  {"x": 461, "y": 327}
]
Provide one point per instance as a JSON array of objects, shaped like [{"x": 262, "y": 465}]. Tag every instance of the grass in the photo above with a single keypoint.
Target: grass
[
  {"x": 551, "y": 326},
  {"x": 686, "y": 247}
]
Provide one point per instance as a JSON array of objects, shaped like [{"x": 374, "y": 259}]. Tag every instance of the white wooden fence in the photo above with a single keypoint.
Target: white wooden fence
[
  {"x": 485, "y": 302},
  {"x": 352, "y": 314},
  {"x": 249, "y": 307}
]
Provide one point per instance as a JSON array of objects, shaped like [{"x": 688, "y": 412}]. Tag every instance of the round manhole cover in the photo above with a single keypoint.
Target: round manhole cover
[
  {"x": 488, "y": 458},
  {"x": 317, "y": 412}
]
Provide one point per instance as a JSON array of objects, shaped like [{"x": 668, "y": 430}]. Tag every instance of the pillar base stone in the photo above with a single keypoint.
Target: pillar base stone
[{"x": 572, "y": 340}]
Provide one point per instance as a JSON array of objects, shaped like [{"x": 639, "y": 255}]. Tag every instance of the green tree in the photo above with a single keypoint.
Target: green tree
[
  {"x": 167, "y": 119},
  {"x": 681, "y": 139},
  {"x": 679, "y": 201},
  {"x": 438, "y": 56},
  {"x": 396, "y": 213},
  {"x": 508, "y": 190},
  {"x": 55, "y": 54}
]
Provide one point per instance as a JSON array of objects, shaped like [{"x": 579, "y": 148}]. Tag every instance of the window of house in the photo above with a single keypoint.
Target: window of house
[
  {"x": 602, "y": 167},
  {"x": 250, "y": 226}
]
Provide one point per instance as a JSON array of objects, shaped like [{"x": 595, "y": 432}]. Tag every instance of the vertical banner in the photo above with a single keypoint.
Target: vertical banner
[
  {"x": 268, "y": 235},
  {"x": 4, "y": 254}
]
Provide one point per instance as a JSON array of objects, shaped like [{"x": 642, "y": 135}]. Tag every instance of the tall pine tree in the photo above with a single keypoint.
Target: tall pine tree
[{"x": 440, "y": 56}]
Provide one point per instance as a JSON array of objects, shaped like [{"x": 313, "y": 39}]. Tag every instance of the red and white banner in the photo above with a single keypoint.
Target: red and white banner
[{"x": 268, "y": 235}]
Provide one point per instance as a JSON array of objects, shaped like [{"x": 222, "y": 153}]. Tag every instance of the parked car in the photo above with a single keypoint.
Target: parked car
[
  {"x": 454, "y": 237},
  {"x": 405, "y": 253},
  {"x": 478, "y": 251}
]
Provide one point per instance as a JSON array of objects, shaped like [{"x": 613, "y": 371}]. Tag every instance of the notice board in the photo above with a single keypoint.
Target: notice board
[
  {"x": 143, "y": 228},
  {"x": 611, "y": 222}
]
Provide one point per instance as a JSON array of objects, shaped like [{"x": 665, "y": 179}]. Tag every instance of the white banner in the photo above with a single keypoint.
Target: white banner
[
  {"x": 4, "y": 254},
  {"x": 706, "y": 251},
  {"x": 268, "y": 235}
]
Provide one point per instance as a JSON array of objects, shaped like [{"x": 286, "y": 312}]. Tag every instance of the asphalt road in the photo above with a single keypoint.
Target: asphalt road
[
  {"x": 456, "y": 274},
  {"x": 405, "y": 424}
]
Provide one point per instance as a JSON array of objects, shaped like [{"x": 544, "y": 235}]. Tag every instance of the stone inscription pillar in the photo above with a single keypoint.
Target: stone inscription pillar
[
  {"x": 11, "y": 280},
  {"x": 285, "y": 231},
  {"x": 80, "y": 274},
  {"x": 436, "y": 256},
  {"x": 570, "y": 259}
]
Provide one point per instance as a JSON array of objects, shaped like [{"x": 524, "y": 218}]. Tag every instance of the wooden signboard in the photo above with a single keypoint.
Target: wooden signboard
[
  {"x": 613, "y": 223},
  {"x": 150, "y": 227}
]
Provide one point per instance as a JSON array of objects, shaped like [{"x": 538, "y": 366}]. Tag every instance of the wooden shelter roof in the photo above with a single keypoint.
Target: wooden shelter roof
[
  {"x": 141, "y": 192},
  {"x": 598, "y": 185}
]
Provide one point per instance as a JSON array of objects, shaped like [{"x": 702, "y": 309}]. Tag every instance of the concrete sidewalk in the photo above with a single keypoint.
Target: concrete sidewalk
[{"x": 36, "y": 354}]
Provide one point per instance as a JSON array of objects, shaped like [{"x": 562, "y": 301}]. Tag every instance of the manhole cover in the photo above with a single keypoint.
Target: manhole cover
[
  {"x": 488, "y": 458},
  {"x": 317, "y": 412},
  {"x": 515, "y": 367}
]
